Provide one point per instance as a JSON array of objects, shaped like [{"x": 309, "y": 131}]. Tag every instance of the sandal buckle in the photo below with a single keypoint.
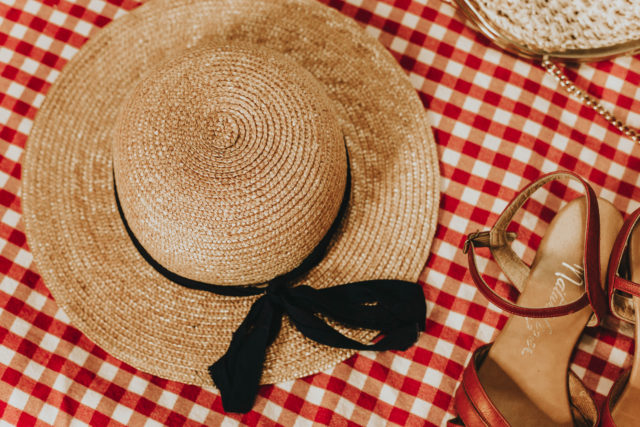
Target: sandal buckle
[{"x": 478, "y": 238}]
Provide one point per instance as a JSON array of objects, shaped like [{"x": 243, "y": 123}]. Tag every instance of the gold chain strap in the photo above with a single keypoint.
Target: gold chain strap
[{"x": 588, "y": 100}]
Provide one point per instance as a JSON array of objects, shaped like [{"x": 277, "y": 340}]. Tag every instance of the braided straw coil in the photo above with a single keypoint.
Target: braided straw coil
[
  {"x": 225, "y": 125},
  {"x": 560, "y": 25},
  {"x": 569, "y": 30},
  {"x": 230, "y": 164}
]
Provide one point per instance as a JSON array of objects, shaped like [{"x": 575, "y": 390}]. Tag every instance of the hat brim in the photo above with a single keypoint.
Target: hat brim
[{"x": 80, "y": 245}]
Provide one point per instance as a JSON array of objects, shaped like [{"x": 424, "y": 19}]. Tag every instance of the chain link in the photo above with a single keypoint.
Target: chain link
[{"x": 588, "y": 100}]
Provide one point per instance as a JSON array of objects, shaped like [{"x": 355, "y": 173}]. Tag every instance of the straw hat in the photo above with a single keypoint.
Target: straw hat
[{"x": 235, "y": 131}]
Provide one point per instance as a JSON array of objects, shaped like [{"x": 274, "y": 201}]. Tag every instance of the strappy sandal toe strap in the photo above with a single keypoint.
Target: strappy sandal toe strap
[{"x": 475, "y": 408}]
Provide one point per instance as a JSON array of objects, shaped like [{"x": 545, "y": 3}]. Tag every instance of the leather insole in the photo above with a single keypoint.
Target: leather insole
[
  {"x": 525, "y": 373},
  {"x": 626, "y": 412}
]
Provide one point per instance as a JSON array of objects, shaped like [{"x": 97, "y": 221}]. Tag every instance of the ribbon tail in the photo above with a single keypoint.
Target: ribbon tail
[
  {"x": 375, "y": 304},
  {"x": 237, "y": 373},
  {"x": 314, "y": 328},
  {"x": 395, "y": 308}
]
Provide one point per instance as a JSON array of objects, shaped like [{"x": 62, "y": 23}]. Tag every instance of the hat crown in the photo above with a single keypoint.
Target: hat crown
[{"x": 230, "y": 164}]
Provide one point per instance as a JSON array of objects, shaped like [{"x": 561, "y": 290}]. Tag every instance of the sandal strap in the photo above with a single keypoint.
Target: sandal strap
[
  {"x": 498, "y": 239},
  {"x": 624, "y": 285},
  {"x": 471, "y": 402},
  {"x": 606, "y": 419},
  {"x": 614, "y": 280},
  {"x": 583, "y": 407},
  {"x": 475, "y": 408},
  {"x": 513, "y": 308}
]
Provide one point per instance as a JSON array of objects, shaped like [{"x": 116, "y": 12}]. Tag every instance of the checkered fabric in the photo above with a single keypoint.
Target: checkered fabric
[{"x": 499, "y": 122}]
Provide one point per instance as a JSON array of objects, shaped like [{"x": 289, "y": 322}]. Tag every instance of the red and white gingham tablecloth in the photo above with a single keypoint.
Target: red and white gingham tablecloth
[{"x": 499, "y": 122}]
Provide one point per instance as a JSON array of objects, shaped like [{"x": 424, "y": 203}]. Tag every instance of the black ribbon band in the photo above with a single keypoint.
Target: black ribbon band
[{"x": 395, "y": 308}]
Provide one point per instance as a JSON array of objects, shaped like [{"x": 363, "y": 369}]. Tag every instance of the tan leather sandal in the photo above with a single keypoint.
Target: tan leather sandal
[
  {"x": 622, "y": 407},
  {"x": 523, "y": 378}
]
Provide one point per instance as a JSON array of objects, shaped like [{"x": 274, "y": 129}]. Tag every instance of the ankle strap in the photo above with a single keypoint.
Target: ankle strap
[
  {"x": 498, "y": 239},
  {"x": 619, "y": 253}
]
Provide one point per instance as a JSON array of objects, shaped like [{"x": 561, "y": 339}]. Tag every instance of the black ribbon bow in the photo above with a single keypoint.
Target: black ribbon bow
[{"x": 395, "y": 308}]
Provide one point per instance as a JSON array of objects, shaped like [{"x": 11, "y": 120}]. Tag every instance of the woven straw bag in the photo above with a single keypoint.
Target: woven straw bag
[{"x": 566, "y": 31}]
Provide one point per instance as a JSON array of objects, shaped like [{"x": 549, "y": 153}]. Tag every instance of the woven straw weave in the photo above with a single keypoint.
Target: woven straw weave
[
  {"x": 235, "y": 173},
  {"x": 561, "y": 25},
  {"x": 79, "y": 243}
]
